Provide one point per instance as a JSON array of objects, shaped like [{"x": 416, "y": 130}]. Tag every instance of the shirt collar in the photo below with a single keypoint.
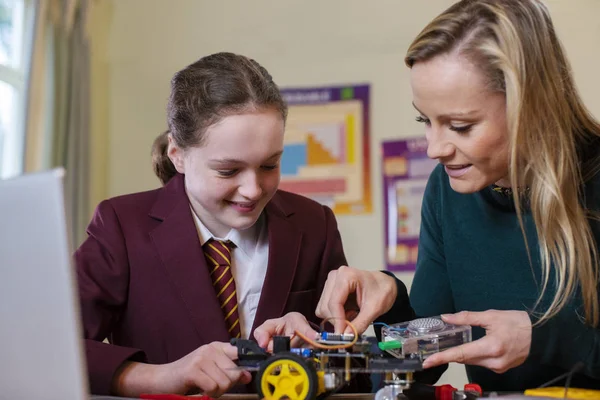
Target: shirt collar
[{"x": 245, "y": 240}]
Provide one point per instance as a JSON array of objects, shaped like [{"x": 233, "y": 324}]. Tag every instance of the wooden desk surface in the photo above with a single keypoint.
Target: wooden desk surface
[
  {"x": 342, "y": 396},
  {"x": 370, "y": 396}
]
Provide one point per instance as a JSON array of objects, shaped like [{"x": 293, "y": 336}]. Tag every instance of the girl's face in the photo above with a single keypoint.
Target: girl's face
[
  {"x": 465, "y": 122},
  {"x": 233, "y": 175}
]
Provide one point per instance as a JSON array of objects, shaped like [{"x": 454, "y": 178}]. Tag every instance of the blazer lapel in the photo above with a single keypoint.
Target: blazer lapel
[
  {"x": 284, "y": 249},
  {"x": 177, "y": 243}
]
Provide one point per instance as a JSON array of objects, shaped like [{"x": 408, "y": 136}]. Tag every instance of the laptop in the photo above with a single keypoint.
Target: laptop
[{"x": 41, "y": 350}]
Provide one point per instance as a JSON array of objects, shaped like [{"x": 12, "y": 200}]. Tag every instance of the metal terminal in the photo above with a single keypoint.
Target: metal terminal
[
  {"x": 324, "y": 359},
  {"x": 424, "y": 325},
  {"x": 389, "y": 377},
  {"x": 395, "y": 385},
  {"x": 348, "y": 366},
  {"x": 330, "y": 380},
  {"x": 402, "y": 380},
  {"x": 409, "y": 378}
]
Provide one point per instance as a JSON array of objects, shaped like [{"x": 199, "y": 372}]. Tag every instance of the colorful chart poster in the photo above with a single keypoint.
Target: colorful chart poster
[
  {"x": 405, "y": 168},
  {"x": 326, "y": 148}
]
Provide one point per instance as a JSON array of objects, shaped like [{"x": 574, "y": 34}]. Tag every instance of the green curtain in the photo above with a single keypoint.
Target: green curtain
[
  {"x": 59, "y": 105},
  {"x": 70, "y": 144}
]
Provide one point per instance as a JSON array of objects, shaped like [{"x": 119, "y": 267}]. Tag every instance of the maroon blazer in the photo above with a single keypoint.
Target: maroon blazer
[{"x": 145, "y": 286}]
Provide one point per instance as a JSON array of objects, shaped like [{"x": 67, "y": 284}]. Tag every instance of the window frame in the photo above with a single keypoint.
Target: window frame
[{"x": 12, "y": 162}]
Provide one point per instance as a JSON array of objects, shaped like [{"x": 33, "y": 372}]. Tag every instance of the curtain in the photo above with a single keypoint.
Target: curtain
[{"x": 58, "y": 112}]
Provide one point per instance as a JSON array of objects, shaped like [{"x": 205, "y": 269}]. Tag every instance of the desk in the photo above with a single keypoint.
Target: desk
[
  {"x": 340, "y": 396},
  {"x": 370, "y": 396}
]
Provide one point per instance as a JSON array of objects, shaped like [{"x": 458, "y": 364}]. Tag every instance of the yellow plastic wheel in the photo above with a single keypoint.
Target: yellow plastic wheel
[{"x": 287, "y": 375}]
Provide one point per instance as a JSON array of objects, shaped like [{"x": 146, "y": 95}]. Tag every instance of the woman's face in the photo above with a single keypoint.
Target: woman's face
[{"x": 465, "y": 122}]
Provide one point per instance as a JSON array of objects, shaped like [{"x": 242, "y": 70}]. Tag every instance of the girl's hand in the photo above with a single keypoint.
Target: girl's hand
[{"x": 210, "y": 369}]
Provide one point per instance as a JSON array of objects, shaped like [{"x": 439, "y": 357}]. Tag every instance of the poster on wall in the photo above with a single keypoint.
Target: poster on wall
[
  {"x": 405, "y": 168},
  {"x": 326, "y": 147}
]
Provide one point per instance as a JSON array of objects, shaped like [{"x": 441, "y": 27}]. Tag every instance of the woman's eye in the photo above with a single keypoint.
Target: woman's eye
[
  {"x": 422, "y": 119},
  {"x": 270, "y": 167},
  {"x": 461, "y": 129}
]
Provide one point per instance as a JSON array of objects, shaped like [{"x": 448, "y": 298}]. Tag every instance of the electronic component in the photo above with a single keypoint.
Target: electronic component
[
  {"x": 303, "y": 351},
  {"x": 422, "y": 337},
  {"x": 335, "y": 337}
]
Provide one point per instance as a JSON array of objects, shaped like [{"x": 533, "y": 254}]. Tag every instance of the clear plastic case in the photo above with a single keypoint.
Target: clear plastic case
[{"x": 423, "y": 337}]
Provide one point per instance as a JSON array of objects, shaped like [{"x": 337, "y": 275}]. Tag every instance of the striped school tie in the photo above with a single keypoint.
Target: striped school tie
[{"x": 218, "y": 258}]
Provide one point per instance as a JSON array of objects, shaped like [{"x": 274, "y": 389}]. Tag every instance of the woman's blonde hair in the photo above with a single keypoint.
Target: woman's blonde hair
[{"x": 514, "y": 44}]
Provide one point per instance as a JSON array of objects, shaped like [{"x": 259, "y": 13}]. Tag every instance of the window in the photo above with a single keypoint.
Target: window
[{"x": 16, "y": 34}]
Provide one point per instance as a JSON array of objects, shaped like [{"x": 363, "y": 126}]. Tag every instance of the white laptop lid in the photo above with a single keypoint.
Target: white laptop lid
[{"x": 40, "y": 342}]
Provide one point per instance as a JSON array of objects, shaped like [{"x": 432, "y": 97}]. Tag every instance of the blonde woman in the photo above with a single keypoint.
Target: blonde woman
[{"x": 509, "y": 243}]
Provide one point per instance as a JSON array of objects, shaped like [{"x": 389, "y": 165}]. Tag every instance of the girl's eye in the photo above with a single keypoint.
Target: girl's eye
[
  {"x": 461, "y": 129},
  {"x": 422, "y": 120},
  {"x": 270, "y": 167},
  {"x": 228, "y": 172}
]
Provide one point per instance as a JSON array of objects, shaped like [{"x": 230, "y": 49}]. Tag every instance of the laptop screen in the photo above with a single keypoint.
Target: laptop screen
[{"x": 40, "y": 342}]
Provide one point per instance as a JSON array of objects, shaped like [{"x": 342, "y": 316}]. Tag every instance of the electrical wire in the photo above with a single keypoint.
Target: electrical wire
[
  {"x": 329, "y": 346},
  {"x": 389, "y": 327},
  {"x": 578, "y": 366}
]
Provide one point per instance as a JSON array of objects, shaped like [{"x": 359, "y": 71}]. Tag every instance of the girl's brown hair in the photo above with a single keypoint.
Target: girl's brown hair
[{"x": 207, "y": 91}]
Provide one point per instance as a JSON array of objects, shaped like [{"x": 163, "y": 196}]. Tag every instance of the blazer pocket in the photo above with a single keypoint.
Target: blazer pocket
[{"x": 303, "y": 301}]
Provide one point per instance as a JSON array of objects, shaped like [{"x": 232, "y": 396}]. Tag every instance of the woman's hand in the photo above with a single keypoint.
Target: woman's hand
[
  {"x": 356, "y": 295},
  {"x": 209, "y": 369},
  {"x": 506, "y": 344},
  {"x": 284, "y": 326}
]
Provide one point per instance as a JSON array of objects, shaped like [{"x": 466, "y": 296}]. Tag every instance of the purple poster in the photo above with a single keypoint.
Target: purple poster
[{"x": 405, "y": 168}]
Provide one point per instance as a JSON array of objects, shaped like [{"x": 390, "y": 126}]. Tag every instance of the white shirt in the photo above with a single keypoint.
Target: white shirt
[{"x": 249, "y": 261}]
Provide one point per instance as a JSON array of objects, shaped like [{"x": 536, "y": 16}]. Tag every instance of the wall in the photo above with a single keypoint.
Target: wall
[{"x": 139, "y": 44}]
